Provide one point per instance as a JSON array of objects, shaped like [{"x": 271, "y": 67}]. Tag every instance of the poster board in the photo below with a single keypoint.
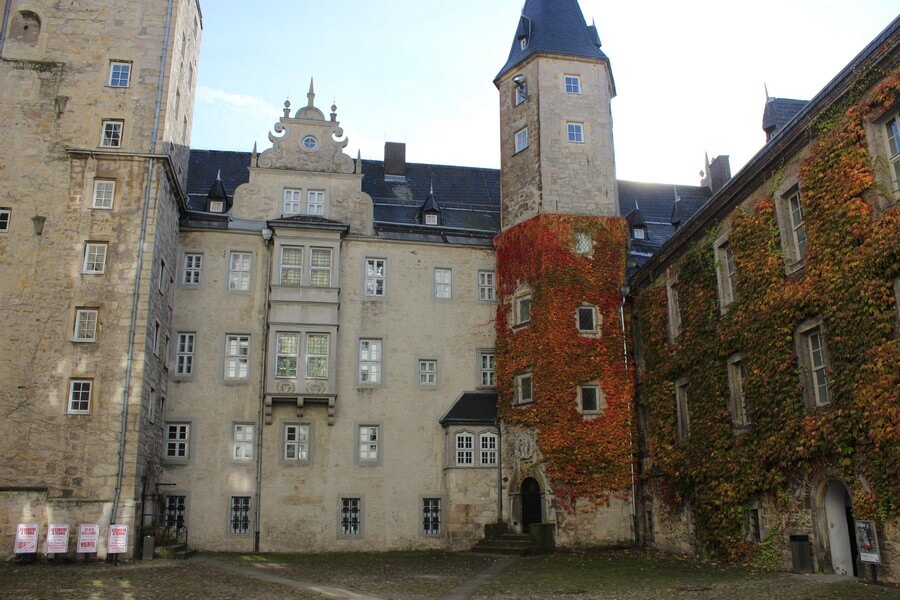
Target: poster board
[
  {"x": 26, "y": 538},
  {"x": 57, "y": 539},
  {"x": 88, "y": 539},
  {"x": 117, "y": 540},
  {"x": 867, "y": 543}
]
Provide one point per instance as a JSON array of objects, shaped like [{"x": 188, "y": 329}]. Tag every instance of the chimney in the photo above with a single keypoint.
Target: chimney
[
  {"x": 719, "y": 173},
  {"x": 394, "y": 160}
]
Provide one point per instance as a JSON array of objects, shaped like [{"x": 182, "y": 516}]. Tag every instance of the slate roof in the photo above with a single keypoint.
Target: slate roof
[
  {"x": 779, "y": 112},
  {"x": 472, "y": 408},
  {"x": 555, "y": 26},
  {"x": 203, "y": 167}
]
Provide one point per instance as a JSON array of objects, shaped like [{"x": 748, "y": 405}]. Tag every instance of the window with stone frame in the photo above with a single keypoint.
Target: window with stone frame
[
  {"x": 465, "y": 449},
  {"x": 487, "y": 286},
  {"x": 111, "y": 134},
  {"x": 291, "y": 266},
  {"x": 813, "y": 357},
  {"x": 487, "y": 445},
  {"x": 590, "y": 399},
  {"x": 239, "y": 518},
  {"x": 287, "y": 355},
  {"x": 239, "y": 270},
  {"x": 573, "y": 84},
  {"x": 315, "y": 202},
  {"x": 320, "y": 267},
  {"x": 370, "y": 361},
  {"x": 524, "y": 388},
  {"x": 296, "y": 442},
  {"x": 523, "y": 310},
  {"x": 575, "y": 132},
  {"x": 727, "y": 274},
  {"x": 682, "y": 416},
  {"x": 737, "y": 407},
  {"x": 292, "y": 202},
  {"x": 375, "y": 277},
  {"x": 520, "y": 94},
  {"x": 192, "y": 268},
  {"x": 237, "y": 357},
  {"x": 86, "y": 320},
  {"x": 369, "y": 443},
  {"x": 431, "y": 516},
  {"x": 242, "y": 441},
  {"x": 184, "y": 356},
  {"x": 178, "y": 441},
  {"x": 351, "y": 517},
  {"x": 80, "y": 396},
  {"x": 104, "y": 194},
  {"x": 586, "y": 319},
  {"x": 521, "y": 140},
  {"x": 119, "y": 74},
  {"x": 892, "y": 137},
  {"x": 443, "y": 284},
  {"x": 673, "y": 304},
  {"x": 792, "y": 220},
  {"x": 584, "y": 242},
  {"x": 486, "y": 368},
  {"x": 95, "y": 258},
  {"x": 428, "y": 372},
  {"x": 5, "y": 217}
]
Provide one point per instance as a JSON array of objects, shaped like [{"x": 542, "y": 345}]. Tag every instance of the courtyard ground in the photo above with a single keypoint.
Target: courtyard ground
[{"x": 422, "y": 575}]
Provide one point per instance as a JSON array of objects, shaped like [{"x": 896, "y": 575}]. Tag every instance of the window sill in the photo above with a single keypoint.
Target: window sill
[
  {"x": 94, "y": 341},
  {"x": 795, "y": 268},
  {"x": 236, "y": 382},
  {"x": 182, "y": 378},
  {"x": 175, "y": 462}
]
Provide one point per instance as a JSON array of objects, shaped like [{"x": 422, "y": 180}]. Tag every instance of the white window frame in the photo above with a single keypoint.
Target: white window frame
[
  {"x": 369, "y": 446},
  {"x": 315, "y": 202},
  {"x": 81, "y": 393},
  {"x": 116, "y": 68},
  {"x": 464, "y": 447},
  {"x": 289, "y": 270},
  {"x": 487, "y": 286},
  {"x": 432, "y": 517},
  {"x": 216, "y": 206},
  {"x": 351, "y": 518},
  {"x": 598, "y": 396},
  {"x": 428, "y": 372},
  {"x": 104, "y": 194},
  {"x": 639, "y": 233},
  {"x": 290, "y": 359},
  {"x": 184, "y": 353},
  {"x": 523, "y": 317},
  {"x": 242, "y": 441},
  {"x": 443, "y": 283},
  {"x": 892, "y": 144},
  {"x": 431, "y": 219},
  {"x": 5, "y": 218},
  {"x": 178, "y": 441},
  {"x": 816, "y": 363},
  {"x": 317, "y": 270},
  {"x": 521, "y": 140},
  {"x": 726, "y": 273},
  {"x": 111, "y": 133},
  {"x": 376, "y": 277},
  {"x": 798, "y": 224},
  {"x": 86, "y": 324},
  {"x": 296, "y": 442},
  {"x": 487, "y": 449},
  {"x": 237, "y": 363},
  {"x": 192, "y": 268},
  {"x": 737, "y": 375},
  {"x": 238, "y": 276},
  {"x": 594, "y": 319},
  {"x": 311, "y": 371},
  {"x": 520, "y": 94},
  {"x": 487, "y": 368},
  {"x": 575, "y": 132},
  {"x": 682, "y": 412},
  {"x": 521, "y": 396},
  {"x": 371, "y": 358},
  {"x": 95, "y": 257},
  {"x": 239, "y": 515},
  {"x": 572, "y": 84}
]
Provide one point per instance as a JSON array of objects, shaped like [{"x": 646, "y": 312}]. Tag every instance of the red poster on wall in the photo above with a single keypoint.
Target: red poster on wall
[{"x": 26, "y": 539}]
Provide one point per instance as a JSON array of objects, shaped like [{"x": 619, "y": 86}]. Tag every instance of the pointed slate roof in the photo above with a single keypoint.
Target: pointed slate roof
[
  {"x": 555, "y": 26},
  {"x": 779, "y": 112},
  {"x": 431, "y": 204},
  {"x": 217, "y": 191}
]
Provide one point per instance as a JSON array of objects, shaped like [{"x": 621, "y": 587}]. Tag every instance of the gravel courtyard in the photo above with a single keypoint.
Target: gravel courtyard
[{"x": 421, "y": 575}]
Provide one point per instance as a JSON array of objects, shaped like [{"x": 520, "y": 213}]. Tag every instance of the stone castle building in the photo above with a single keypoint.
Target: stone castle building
[{"x": 298, "y": 350}]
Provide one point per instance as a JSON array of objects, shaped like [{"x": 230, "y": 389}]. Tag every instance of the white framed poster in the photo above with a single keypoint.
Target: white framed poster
[
  {"x": 57, "y": 539},
  {"x": 117, "y": 540},
  {"x": 88, "y": 539},
  {"x": 867, "y": 542},
  {"x": 26, "y": 538}
]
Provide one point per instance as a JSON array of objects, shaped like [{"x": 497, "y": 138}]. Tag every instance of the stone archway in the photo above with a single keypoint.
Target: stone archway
[
  {"x": 532, "y": 512},
  {"x": 840, "y": 528}
]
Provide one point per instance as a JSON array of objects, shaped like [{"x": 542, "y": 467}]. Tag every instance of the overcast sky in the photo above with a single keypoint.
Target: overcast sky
[{"x": 689, "y": 74}]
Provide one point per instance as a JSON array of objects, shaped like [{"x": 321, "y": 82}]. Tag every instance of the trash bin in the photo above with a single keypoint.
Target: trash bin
[
  {"x": 149, "y": 547},
  {"x": 801, "y": 554}
]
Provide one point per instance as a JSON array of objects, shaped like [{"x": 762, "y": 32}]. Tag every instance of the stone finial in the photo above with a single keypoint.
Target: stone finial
[
  {"x": 219, "y": 175},
  {"x": 334, "y": 112},
  {"x": 311, "y": 95},
  {"x": 287, "y": 108},
  {"x": 358, "y": 169},
  {"x": 254, "y": 156}
]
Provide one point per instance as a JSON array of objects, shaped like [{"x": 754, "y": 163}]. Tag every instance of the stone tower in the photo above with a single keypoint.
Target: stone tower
[
  {"x": 555, "y": 121},
  {"x": 563, "y": 380},
  {"x": 96, "y": 105}
]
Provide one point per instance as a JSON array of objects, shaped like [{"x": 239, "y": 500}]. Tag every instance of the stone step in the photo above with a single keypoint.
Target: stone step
[
  {"x": 497, "y": 543},
  {"x": 512, "y": 536},
  {"x": 171, "y": 551},
  {"x": 506, "y": 550}
]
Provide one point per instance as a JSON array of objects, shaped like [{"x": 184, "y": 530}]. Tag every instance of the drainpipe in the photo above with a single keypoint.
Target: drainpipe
[
  {"x": 260, "y": 417},
  {"x": 6, "y": 12},
  {"x": 625, "y": 291},
  {"x": 148, "y": 188},
  {"x": 499, "y": 471}
]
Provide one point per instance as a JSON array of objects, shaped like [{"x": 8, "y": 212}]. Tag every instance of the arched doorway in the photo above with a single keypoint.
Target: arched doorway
[
  {"x": 841, "y": 538},
  {"x": 531, "y": 503}
]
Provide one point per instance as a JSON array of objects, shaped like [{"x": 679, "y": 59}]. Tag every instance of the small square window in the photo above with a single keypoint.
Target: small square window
[
  {"x": 639, "y": 233},
  {"x": 104, "y": 193},
  {"x": 292, "y": 202},
  {"x": 521, "y": 140},
  {"x": 573, "y": 84},
  {"x": 431, "y": 219},
  {"x": 523, "y": 310},
  {"x": 193, "y": 267},
  {"x": 587, "y": 319},
  {"x": 86, "y": 324},
  {"x": 296, "y": 442},
  {"x": 240, "y": 514},
  {"x": 5, "y": 216},
  {"x": 589, "y": 399},
  {"x": 80, "y": 396},
  {"x": 351, "y": 517},
  {"x": 178, "y": 441},
  {"x": 575, "y": 132},
  {"x": 524, "y": 389},
  {"x": 375, "y": 273},
  {"x": 216, "y": 206},
  {"x": 584, "y": 242},
  {"x": 369, "y": 443},
  {"x": 242, "y": 442},
  {"x": 315, "y": 204},
  {"x": 487, "y": 286},
  {"x": 428, "y": 372},
  {"x": 443, "y": 284},
  {"x": 431, "y": 516},
  {"x": 94, "y": 258},
  {"x": 119, "y": 74},
  {"x": 112, "y": 134}
]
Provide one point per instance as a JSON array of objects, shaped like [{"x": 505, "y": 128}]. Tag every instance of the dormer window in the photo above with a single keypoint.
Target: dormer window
[
  {"x": 523, "y": 32},
  {"x": 216, "y": 206},
  {"x": 523, "y": 43},
  {"x": 431, "y": 219}
]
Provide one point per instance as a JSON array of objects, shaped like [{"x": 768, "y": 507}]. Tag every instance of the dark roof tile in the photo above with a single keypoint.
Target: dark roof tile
[{"x": 472, "y": 408}]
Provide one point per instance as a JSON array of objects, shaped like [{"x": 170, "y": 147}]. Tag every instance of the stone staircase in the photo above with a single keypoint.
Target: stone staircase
[
  {"x": 173, "y": 551},
  {"x": 498, "y": 540}
]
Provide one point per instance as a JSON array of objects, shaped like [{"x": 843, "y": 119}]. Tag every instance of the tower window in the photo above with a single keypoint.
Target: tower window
[
  {"x": 119, "y": 74},
  {"x": 521, "y": 139},
  {"x": 575, "y": 132},
  {"x": 112, "y": 134},
  {"x": 573, "y": 84}
]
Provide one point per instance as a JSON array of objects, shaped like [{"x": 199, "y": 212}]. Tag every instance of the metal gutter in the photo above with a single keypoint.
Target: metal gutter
[
  {"x": 260, "y": 417},
  {"x": 3, "y": 26}
]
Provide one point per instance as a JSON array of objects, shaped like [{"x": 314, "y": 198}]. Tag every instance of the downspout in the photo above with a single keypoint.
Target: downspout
[
  {"x": 260, "y": 417},
  {"x": 499, "y": 471},
  {"x": 145, "y": 214},
  {"x": 625, "y": 291},
  {"x": 6, "y": 12}
]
